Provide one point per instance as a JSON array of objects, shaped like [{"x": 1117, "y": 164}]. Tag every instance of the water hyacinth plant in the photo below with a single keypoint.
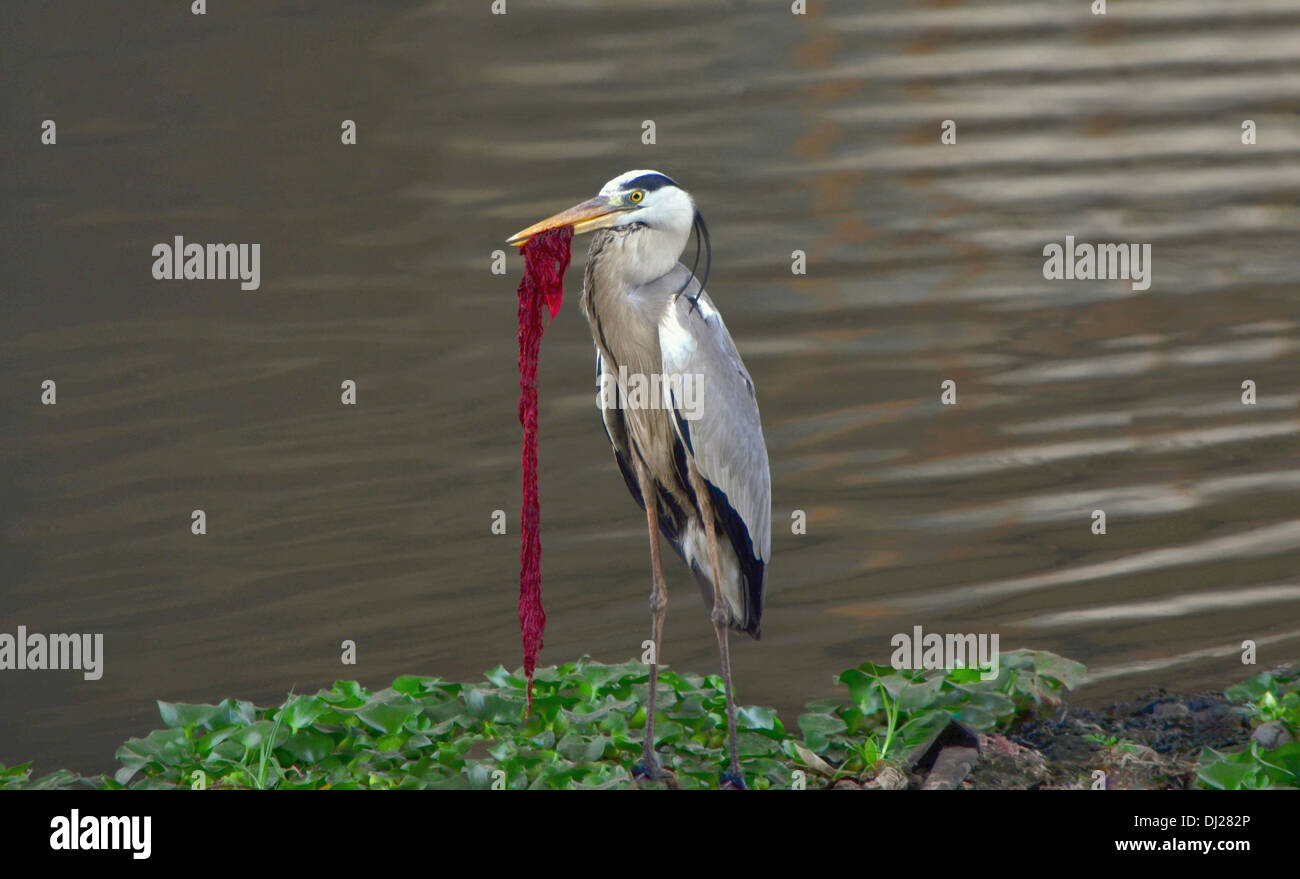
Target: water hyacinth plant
[
  {"x": 584, "y": 731},
  {"x": 1268, "y": 698}
]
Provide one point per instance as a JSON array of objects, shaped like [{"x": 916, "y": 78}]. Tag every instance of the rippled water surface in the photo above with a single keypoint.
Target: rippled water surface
[{"x": 817, "y": 133}]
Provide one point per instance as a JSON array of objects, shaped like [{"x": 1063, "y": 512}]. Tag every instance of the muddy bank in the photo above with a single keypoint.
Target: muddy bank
[{"x": 1155, "y": 741}]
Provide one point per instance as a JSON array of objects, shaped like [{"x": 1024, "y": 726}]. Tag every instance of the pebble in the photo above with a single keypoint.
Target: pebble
[{"x": 1273, "y": 734}]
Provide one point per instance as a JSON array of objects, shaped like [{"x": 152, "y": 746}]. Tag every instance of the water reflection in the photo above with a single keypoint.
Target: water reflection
[{"x": 371, "y": 524}]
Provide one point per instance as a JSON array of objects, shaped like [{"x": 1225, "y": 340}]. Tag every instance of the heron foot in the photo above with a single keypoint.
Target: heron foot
[
  {"x": 648, "y": 769},
  {"x": 731, "y": 781},
  {"x": 657, "y": 773}
]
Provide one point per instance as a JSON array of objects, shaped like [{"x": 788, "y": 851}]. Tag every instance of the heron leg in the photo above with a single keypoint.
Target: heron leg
[
  {"x": 733, "y": 779},
  {"x": 658, "y": 605}
]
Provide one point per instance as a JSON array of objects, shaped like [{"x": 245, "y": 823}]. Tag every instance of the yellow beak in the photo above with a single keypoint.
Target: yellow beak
[{"x": 595, "y": 213}]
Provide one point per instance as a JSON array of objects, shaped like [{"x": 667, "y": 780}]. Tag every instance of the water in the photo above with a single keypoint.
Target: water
[{"x": 820, "y": 133}]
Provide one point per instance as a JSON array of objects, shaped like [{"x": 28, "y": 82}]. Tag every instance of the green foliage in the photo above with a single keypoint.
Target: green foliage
[
  {"x": 893, "y": 715},
  {"x": 584, "y": 731},
  {"x": 1264, "y": 698},
  {"x": 1113, "y": 743}
]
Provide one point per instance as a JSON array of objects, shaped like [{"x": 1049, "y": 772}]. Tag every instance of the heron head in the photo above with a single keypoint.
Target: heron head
[
  {"x": 658, "y": 214},
  {"x": 645, "y": 198}
]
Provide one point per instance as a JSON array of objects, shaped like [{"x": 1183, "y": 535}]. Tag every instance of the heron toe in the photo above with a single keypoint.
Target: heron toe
[{"x": 645, "y": 769}]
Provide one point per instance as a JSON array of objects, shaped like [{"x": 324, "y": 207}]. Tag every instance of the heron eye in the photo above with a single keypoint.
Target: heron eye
[{"x": 637, "y": 196}]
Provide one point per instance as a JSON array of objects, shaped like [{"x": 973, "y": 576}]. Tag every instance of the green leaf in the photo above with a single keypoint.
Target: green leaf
[
  {"x": 1250, "y": 690},
  {"x": 253, "y": 735},
  {"x": 1067, "y": 671},
  {"x": 757, "y": 717},
  {"x": 1221, "y": 774},
  {"x": 309, "y": 746},
  {"x": 345, "y": 694},
  {"x": 817, "y": 727},
  {"x": 179, "y": 715},
  {"x": 415, "y": 685},
  {"x": 976, "y": 717},
  {"x": 499, "y": 677},
  {"x": 302, "y": 711},
  {"x": 387, "y": 717}
]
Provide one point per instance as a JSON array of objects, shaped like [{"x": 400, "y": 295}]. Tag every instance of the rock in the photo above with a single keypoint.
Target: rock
[
  {"x": 1273, "y": 734},
  {"x": 1169, "y": 710},
  {"x": 889, "y": 778},
  {"x": 951, "y": 768},
  {"x": 953, "y": 735},
  {"x": 1007, "y": 765},
  {"x": 1000, "y": 745}
]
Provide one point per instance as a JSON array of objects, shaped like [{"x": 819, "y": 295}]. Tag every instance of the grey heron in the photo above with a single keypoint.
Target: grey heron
[{"x": 700, "y": 474}]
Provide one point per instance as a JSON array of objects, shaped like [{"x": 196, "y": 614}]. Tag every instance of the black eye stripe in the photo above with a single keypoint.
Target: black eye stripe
[{"x": 650, "y": 182}]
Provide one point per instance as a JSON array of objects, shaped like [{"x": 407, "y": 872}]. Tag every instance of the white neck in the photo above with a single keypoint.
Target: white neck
[{"x": 648, "y": 253}]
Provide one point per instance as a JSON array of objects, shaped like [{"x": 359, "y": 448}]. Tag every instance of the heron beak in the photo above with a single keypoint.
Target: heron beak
[{"x": 596, "y": 213}]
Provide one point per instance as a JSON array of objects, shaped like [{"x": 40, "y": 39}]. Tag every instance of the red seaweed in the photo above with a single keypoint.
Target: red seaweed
[{"x": 546, "y": 257}]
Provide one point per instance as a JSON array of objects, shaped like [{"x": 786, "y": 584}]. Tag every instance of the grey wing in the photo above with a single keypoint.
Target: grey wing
[
  {"x": 616, "y": 431},
  {"x": 670, "y": 521},
  {"x": 722, "y": 432}
]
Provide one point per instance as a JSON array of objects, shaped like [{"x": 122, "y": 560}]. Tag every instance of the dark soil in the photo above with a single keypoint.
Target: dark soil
[{"x": 1151, "y": 743}]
